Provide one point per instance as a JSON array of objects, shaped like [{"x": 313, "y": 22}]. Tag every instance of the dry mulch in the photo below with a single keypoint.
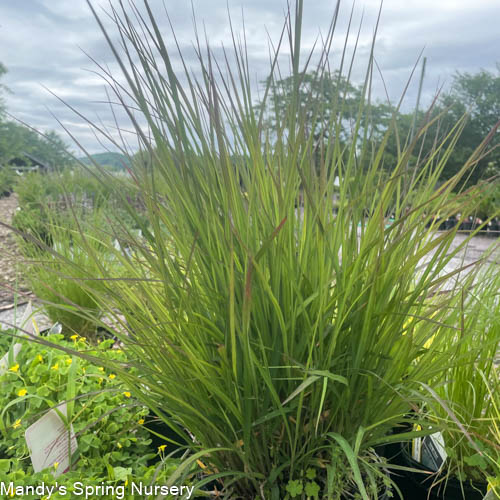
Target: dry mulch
[{"x": 11, "y": 282}]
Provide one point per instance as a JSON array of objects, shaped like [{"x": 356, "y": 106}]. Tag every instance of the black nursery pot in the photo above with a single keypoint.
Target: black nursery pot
[
  {"x": 155, "y": 424},
  {"x": 381, "y": 496},
  {"x": 425, "y": 485}
]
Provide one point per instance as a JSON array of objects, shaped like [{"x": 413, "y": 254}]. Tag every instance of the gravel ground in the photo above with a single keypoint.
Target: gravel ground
[{"x": 10, "y": 259}]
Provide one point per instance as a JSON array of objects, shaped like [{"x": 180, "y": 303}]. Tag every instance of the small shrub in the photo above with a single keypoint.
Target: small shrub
[{"x": 7, "y": 181}]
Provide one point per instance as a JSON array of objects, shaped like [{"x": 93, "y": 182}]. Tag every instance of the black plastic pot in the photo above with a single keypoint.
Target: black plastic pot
[
  {"x": 381, "y": 496},
  {"x": 161, "y": 430},
  {"x": 427, "y": 485}
]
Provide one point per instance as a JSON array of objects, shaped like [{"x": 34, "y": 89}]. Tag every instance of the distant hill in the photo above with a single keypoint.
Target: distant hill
[{"x": 116, "y": 161}]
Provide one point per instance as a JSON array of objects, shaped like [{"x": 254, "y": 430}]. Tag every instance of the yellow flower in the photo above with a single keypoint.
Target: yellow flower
[
  {"x": 69, "y": 361},
  {"x": 82, "y": 339},
  {"x": 22, "y": 392},
  {"x": 101, "y": 369},
  {"x": 141, "y": 421},
  {"x": 127, "y": 394},
  {"x": 126, "y": 482},
  {"x": 56, "y": 465},
  {"x": 119, "y": 445},
  {"x": 14, "y": 368},
  {"x": 112, "y": 376},
  {"x": 161, "y": 448},
  {"x": 55, "y": 367},
  {"x": 17, "y": 423},
  {"x": 39, "y": 358},
  {"x": 74, "y": 337}
]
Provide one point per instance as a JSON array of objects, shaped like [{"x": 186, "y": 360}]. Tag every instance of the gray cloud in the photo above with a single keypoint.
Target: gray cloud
[{"x": 43, "y": 44}]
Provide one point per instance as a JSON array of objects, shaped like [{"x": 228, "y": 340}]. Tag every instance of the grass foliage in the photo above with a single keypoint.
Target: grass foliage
[{"x": 468, "y": 401}]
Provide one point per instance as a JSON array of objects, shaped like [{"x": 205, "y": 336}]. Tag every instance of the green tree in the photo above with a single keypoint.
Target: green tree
[
  {"x": 477, "y": 94},
  {"x": 17, "y": 139},
  {"x": 321, "y": 98},
  {"x": 327, "y": 106}
]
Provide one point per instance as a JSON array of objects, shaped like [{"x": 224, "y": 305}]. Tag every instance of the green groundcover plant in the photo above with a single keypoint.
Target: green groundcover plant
[
  {"x": 115, "y": 483},
  {"x": 269, "y": 329},
  {"x": 109, "y": 426},
  {"x": 113, "y": 443}
]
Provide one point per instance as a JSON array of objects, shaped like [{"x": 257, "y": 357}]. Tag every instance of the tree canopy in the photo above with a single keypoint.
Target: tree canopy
[
  {"x": 17, "y": 139},
  {"x": 475, "y": 96}
]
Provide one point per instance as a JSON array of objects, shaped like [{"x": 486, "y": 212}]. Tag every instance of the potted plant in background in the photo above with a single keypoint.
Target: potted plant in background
[{"x": 460, "y": 456}]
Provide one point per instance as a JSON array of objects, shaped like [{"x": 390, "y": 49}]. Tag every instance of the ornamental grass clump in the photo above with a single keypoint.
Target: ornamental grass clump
[
  {"x": 468, "y": 400},
  {"x": 58, "y": 263},
  {"x": 270, "y": 330}
]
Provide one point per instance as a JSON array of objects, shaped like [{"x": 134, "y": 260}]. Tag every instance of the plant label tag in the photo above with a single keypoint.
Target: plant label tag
[
  {"x": 416, "y": 451},
  {"x": 433, "y": 454},
  {"x": 27, "y": 324},
  {"x": 50, "y": 443}
]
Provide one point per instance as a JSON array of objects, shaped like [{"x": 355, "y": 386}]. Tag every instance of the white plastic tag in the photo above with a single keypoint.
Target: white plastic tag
[
  {"x": 430, "y": 451},
  {"x": 50, "y": 444}
]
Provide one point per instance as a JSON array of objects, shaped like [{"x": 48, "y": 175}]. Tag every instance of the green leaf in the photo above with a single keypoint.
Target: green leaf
[
  {"x": 312, "y": 489},
  {"x": 476, "y": 460},
  {"x": 307, "y": 382},
  {"x": 310, "y": 473},
  {"x": 294, "y": 487},
  {"x": 4, "y": 465},
  {"x": 121, "y": 473}
]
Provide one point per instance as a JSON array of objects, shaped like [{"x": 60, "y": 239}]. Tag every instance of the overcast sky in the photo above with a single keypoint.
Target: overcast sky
[{"x": 43, "y": 44}]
